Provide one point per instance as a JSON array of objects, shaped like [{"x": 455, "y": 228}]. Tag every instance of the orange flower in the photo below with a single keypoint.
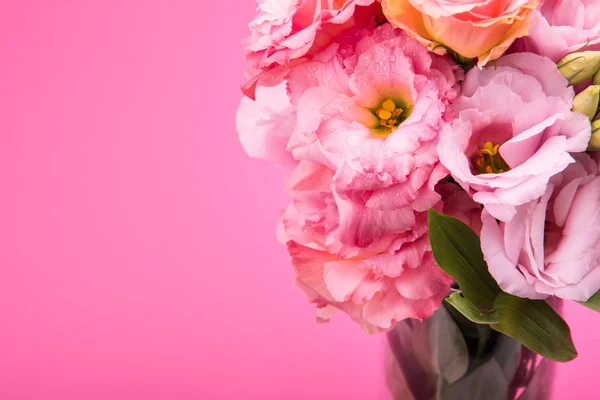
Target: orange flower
[{"x": 482, "y": 29}]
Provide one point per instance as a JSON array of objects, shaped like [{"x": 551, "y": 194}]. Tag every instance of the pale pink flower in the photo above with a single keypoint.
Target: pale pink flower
[
  {"x": 552, "y": 245},
  {"x": 515, "y": 130},
  {"x": 265, "y": 122},
  {"x": 393, "y": 278},
  {"x": 561, "y": 27},
  {"x": 285, "y": 30}
]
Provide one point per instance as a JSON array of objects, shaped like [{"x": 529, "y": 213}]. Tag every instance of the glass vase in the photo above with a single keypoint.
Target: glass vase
[{"x": 447, "y": 357}]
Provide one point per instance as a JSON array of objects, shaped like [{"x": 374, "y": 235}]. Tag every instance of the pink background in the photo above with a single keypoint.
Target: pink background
[{"x": 137, "y": 251}]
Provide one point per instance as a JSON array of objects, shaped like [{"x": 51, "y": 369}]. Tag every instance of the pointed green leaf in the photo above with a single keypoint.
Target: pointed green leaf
[
  {"x": 468, "y": 309},
  {"x": 593, "y": 302},
  {"x": 536, "y": 325},
  {"x": 448, "y": 347},
  {"x": 457, "y": 251}
]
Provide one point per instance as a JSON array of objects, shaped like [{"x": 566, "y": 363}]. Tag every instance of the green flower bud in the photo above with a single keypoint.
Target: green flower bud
[
  {"x": 596, "y": 80},
  {"x": 577, "y": 67},
  {"x": 595, "y": 140},
  {"x": 587, "y": 101}
]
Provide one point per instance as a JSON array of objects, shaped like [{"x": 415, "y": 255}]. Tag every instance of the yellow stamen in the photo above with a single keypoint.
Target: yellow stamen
[
  {"x": 489, "y": 149},
  {"x": 387, "y": 123},
  {"x": 489, "y": 146},
  {"x": 389, "y": 105},
  {"x": 489, "y": 161},
  {"x": 384, "y": 114},
  {"x": 390, "y": 116}
]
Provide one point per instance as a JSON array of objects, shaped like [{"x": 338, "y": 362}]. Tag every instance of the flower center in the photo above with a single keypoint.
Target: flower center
[
  {"x": 489, "y": 160},
  {"x": 389, "y": 114}
]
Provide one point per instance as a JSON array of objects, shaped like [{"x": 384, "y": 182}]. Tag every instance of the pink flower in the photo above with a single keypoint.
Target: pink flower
[
  {"x": 285, "y": 30},
  {"x": 515, "y": 130},
  {"x": 561, "y": 27},
  {"x": 552, "y": 245},
  {"x": 266, "y": 121},
  {"x": 391, "y": 279},
  {"x": 375, "y": 118},
  {"x": 403, "y": 179}
]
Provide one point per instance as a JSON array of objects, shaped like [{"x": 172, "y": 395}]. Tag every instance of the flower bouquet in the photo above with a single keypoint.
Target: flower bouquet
[{"x": 443, "y": 183}]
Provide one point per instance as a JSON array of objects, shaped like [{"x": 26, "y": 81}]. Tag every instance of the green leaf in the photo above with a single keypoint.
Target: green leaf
[
  {"x": 533, "y": 323},
  {"x": 448, "y": 347},
  {"x": 457, "y": 251},
  {"x": 593, "y": 302},
  {"x": 468, "y": 309},
  {"x": 487, "y": 382},
  {"x": 536, "y": 325},
  {"x": 507, "y": 353}
]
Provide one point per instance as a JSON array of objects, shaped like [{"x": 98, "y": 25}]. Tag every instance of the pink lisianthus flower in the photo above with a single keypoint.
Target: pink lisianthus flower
[
  {"x": 376, "y": 125},
  {"x": 266, "y": 121},
  {"x": 552, "y": 245},
  {"x": 285, "y": 30},
  {"x": 514, "y": 131},
  {"x": 561, "y": 27},
  {"x": 392, "y": 279}
]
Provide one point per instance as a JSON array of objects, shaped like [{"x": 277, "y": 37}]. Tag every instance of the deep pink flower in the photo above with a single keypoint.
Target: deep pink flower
[
  {"x": 515, "y": 130},
  {"x": 552, "y": 245},
  {"x": 285, "y": 30},
  {"x": 393, "y": 278},
  {"x": 560, "y": 27}
]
